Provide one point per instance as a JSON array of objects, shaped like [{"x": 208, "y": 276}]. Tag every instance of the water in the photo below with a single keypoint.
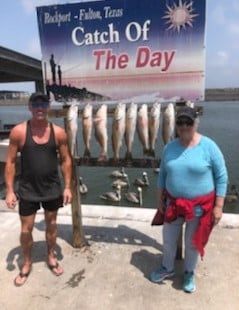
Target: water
[{"x": 219, "y": 121}]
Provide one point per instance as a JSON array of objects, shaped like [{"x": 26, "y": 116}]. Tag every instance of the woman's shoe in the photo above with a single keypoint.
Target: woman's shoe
[
  {"x": 160, "y": 274},
  {"x": 188, "y": 283}
]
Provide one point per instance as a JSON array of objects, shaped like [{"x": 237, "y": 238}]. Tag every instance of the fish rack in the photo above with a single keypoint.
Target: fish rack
[
  {"x": 134, "y": 163},
  {"x": 57, "y": 113},
  {"x": 110, "y": 162}
]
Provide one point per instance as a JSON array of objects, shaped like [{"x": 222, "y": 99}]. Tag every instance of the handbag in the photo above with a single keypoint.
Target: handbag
[{"x": 158, "y": 218}]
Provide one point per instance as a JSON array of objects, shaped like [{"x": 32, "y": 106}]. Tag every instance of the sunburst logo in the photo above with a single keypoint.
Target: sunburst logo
[{"x": 180, "y": 16}]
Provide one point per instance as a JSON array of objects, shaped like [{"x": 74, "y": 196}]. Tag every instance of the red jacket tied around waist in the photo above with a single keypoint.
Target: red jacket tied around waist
[{"x": 182, "y": 207}]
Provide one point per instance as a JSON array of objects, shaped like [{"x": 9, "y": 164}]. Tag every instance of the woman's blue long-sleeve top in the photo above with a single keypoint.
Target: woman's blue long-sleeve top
[{"x": 189, "y": 172}]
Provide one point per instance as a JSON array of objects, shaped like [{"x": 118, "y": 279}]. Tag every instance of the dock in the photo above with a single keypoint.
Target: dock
[{"x": 112, "y": 273}]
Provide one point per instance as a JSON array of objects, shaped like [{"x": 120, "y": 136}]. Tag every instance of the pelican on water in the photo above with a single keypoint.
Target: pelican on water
[
  {"x": 232, "y": 194},
  {"x": 112, "y": 196},
  {"x": 118, "y": 173},
  {"x": 135, "y": 197},
  {"x": 144, "y": 181},
  {"x": 83, "y": 188},
  {"x": 123, "y": 182}
]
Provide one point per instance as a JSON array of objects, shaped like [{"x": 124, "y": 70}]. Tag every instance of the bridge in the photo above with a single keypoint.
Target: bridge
[{"x": 17, "y": 67}]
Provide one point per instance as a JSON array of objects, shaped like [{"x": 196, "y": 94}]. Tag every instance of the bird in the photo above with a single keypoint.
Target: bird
[
  {"x": 156, "y": 170},
  {"x": 118, "y": 173},
  {"x": 112, "y": 196},
  {"x": 144, "y": 181},
  {"x": 123, "y": 182},
  {"x": 135, "y": 197},
  {"x": 82, "y": 187},
  {"x": 232, "y": 195}
]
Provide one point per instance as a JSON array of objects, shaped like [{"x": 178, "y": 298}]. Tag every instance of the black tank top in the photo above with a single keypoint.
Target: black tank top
[{"x": 39, "y": 179}]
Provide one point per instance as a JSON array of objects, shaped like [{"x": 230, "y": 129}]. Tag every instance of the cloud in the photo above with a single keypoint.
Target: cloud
[
  {"x": 234, "y": 28},
  {"x": 218, "y": 15},
  {"x": 225, "y": 15},
  {"x": 222, "y": 58},
  {"x": 235, "y": 46},
  {"x": 219, "y": 60},
  {"x": 30, "y": 5},
  {"x": 235, "y": 5},
  {"x": 34, "y": 49}
]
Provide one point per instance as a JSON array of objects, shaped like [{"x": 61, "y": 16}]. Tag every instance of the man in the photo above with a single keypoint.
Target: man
[
  {"x": 59, "y": 75},
  {"x": 39, "y": 142},
  {"x": 53, "y": 69}
]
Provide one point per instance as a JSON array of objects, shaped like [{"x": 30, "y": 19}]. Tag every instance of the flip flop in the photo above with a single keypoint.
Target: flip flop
[
  {"x": 55, "y": 266},
  {"x": 22, "y": 275}
]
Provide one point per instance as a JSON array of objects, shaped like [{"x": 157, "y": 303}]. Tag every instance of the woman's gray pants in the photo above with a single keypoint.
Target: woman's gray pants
[{"x": 171, "y": 232}]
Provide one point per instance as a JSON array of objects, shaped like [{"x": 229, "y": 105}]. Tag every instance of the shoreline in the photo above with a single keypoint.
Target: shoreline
[
  {"x": 60, "y": 106},
  {"x": 211, "y": 95}
]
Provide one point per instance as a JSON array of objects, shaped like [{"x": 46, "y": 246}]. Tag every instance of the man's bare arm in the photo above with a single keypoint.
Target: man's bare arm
[{"x": 10, "y": 167}]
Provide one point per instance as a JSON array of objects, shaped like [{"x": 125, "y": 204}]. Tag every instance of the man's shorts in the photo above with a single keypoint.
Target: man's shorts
[{"x": 27, "y": 208}]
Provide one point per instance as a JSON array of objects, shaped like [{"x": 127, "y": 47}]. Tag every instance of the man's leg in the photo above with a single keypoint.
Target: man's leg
[
  {"x": 26, "y": 241},
  {"x": 51, "y": 235}
]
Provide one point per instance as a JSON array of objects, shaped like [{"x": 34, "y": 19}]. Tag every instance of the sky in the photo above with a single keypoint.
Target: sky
[{"x": 19, "y": 32}]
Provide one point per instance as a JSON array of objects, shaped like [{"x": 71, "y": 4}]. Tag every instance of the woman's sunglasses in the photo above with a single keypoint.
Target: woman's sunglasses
[
  {"x": 186, "y": 122},
  {"x": 40, "y": 104}
]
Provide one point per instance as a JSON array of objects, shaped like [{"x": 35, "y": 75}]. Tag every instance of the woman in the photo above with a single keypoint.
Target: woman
[{"x": 191, "y": 188}]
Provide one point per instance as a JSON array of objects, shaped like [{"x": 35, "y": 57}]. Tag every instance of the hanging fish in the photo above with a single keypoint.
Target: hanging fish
[
  {"x": 168, "y": 127},
  {"x": 87, "y": 123},
  {"x": 72, "y": 127},
  {"x": 118, "y": 129},
  {"x": 154, "y": 120},
  {"x": 131, "y": 119},
  {"x": 142, "y": 127},
  {"x": 100, "y": 124}
]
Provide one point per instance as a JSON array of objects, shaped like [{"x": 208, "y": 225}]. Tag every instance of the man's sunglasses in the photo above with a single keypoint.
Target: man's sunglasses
[
  {"x": 186, "y": 122},
  {"x": 40, "y": 104}
]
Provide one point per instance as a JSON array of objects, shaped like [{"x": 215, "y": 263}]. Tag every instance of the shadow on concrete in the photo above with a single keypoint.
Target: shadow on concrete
[
  {"x": 39, "y": 253},
  {"x": 147, "y": 262},
  {"x": 120, "y": 234}
]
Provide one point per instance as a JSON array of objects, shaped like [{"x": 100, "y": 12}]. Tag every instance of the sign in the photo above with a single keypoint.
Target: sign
[{"x": 124, "y": 50}]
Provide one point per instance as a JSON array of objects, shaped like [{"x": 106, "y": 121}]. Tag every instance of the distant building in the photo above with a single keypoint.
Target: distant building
[
  {"x": 13, "y": 95},
  {"x": 222, "y": 94}
]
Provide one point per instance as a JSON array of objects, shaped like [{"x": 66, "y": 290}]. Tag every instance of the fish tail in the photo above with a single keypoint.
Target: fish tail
[
  {"x": 151, "y": 152},
  {"x": 73, "y": 150},
  {"x": 86, "y": 152},
  {"x": 128, "y": 155},
  {"x": 115, "y": 158},
  {"x": 146, "y": 151},
  {"x": 102, "y": 157}
]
